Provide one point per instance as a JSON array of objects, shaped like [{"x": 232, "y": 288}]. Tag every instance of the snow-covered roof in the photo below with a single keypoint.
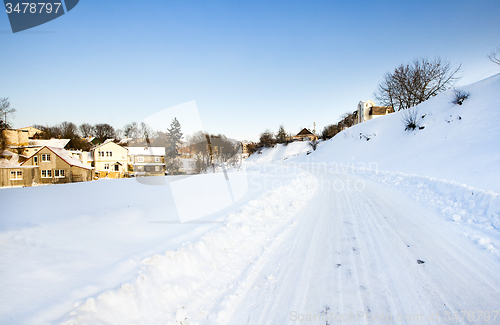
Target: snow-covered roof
[
  {"x": 54, "y": 143},
  {"x": 305, "y": 132},
  {"x": 105, "y": 142},
  {"x": 61, "y": 153},
  {"x": 146, "y": 151},
  {"x": 7, "y": 153},
  {"x": 64, "y": 156},
  {"x": 12, "y": 162}
]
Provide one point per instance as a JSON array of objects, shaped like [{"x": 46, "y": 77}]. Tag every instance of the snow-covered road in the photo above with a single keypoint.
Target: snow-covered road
[
  {"x": 353, "y": 256},
  {"x": 323, "y": 249}
]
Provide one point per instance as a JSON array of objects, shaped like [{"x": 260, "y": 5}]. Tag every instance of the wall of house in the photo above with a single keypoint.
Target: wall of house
[
  {"x": 79, "y": 174},
  {"x": 148, "y": 166},
  {"x": 29, "y": 176}
]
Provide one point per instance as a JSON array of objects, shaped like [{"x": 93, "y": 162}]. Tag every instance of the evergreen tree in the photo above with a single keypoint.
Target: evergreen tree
[
  {"x": 173, "y": 142},
  {"x": 281, "y": 135}
]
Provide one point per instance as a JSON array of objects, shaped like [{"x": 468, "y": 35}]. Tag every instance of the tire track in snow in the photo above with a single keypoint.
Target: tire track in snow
[{"x": 390, "y": 232}]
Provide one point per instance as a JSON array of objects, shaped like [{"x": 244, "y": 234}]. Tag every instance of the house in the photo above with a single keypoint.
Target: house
[
  {"x": 110, "y": 160},
  {"x": 146, "y": 161},
  {"x": 304, "y": 135},
  {"x": 367, "y": 110},
  {"x": 55, "y": 166}
]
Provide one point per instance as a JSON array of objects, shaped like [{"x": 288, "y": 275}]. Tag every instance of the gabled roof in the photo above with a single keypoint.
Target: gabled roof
[
  {"x": 61, "y": 153},
  {"x": 146, "y": 151},
  {"x": 106, "y": 142},
  {"x": 304, "y": 132}
]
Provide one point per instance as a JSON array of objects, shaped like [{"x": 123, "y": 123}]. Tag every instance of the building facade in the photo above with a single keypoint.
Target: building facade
[
  {"x": 110, "y": 160},
  {"x": 146, "y": 161}
]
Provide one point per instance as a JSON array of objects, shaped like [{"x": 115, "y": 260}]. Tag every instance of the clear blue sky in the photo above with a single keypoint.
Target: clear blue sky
[{"x": 249, "y": 65}]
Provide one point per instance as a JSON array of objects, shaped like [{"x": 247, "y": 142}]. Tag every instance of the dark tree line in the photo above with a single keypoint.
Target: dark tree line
[{"x": 69, "y": 130}]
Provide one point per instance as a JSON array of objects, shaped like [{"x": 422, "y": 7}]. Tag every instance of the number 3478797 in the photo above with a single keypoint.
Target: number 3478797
[{"x": 33, "y": 7}]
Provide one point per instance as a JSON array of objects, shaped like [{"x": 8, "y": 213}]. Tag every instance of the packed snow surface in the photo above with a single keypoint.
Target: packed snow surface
[{"x": 378, "y": 225}]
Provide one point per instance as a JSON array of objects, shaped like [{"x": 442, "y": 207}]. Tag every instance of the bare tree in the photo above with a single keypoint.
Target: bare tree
[
  {"x": 68, "y": 130},
  {"x": 495, "y": 56},
  {"x": 131, "y": 130},
  {"x": 103, "y": 132},
  {"x": 267, "y": 139},
  {"x": 414, "y": 83},
  {"x": 86, "y": 130},
  {"x": 330, "y": 131},
  {"x": 5, "y": 110},
  {"x": 146, "y": 132}
]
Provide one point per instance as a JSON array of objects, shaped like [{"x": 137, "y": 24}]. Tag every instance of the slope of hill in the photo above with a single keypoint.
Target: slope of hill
[{"x": 457, "y": 143}]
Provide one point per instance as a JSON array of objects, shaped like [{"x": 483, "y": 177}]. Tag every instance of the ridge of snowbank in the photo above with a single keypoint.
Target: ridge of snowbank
[{"x": 189, "y": 284}]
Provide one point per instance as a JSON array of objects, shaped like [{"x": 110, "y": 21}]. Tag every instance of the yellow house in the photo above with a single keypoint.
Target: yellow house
[{"x": 110, "y": 160}]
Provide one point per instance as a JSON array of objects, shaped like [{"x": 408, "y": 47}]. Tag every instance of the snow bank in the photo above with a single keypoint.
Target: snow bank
[
  {"x": 458, "y": 202},
  {"x": 188, "y": 285}
]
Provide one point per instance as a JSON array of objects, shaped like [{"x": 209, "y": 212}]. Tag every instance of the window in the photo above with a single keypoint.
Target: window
[
  {"x": 35, "y": 160},
  {"x": 45, "y": 157},
  {"x": 14, "y": 175},
  {"x": 59, "y": 173},
  {"x": 157, "y": 159},
  {"x": 157, "y": 168},
  {"x": 109, "y": 153},
  {"x": 46, "y": 173},
  {"x": 140, "y": 159},
  {"x": 106, "y": 166}
]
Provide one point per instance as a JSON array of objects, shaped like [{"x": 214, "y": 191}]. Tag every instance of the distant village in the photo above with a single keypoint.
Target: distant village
[{"x": 29, "y": 160}]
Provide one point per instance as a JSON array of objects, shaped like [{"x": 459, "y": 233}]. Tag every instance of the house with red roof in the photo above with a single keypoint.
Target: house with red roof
[{"x": 56, "y": 166}]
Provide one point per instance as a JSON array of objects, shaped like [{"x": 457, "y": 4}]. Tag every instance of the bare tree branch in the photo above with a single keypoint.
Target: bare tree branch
[{"x": 412, "y": 84}]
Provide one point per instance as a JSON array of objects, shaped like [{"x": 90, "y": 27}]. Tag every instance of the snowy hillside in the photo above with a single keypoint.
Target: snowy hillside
[{"x": 458, "y": 143}]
